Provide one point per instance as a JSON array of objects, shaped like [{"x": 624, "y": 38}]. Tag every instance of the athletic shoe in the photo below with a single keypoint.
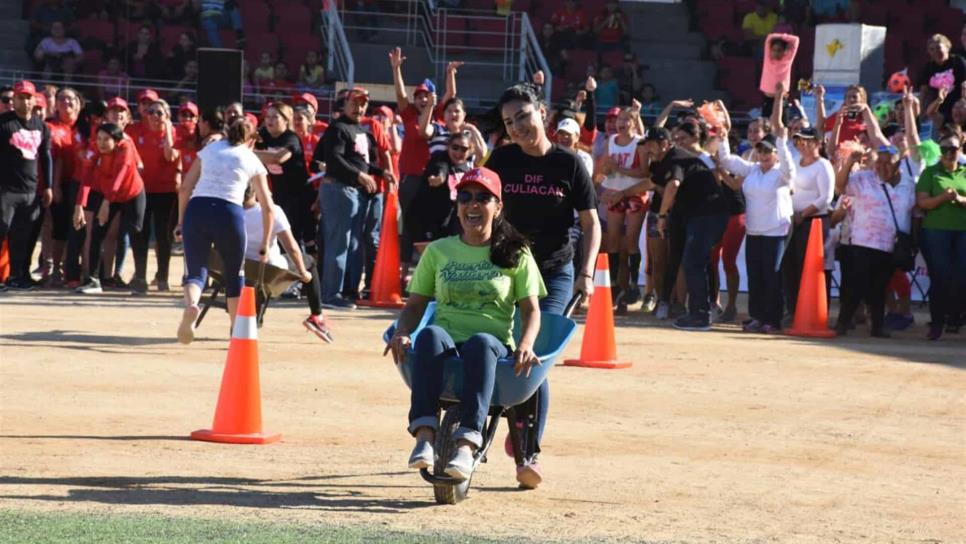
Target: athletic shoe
[
  {"x": 338, "y": 303},
  {"x": 72, "y": 284},
  {"x": 662, "y": 311},
  {"x": 114, "y": 282},
  {"x": 54, "y": 280},
  {"x": 621, "y": 308},
  {"x": 186, "y": 329},
  {"x": 841, "y": 329},
  {"x": 728, "y": 315},
  {"x": 769, "y": 329},
  {"x": 717, "y": 310},
  {"x": 752, "y": 325},
  {"x": 139, "y": 287},
  {"x": 529, "y": 476},
  {"x": 163, "y": 286},
  {"x": 678, "y": 310},
  {"x": 316, "y": 325},
  {"x": 650, "y": 303},
  {"x": 293, "y": 292},
  {"x": 935, "y": 332},
  {"x": 692, "y": 323},
  {"x": 21, "y": 284},
  {"x": 460, "y": 467},
  {"x": 632, "y": 295},
  {"x": 422, "y": 455},
  {"x": 92, "y": 287},
  {"x": 615, "y": 297}
]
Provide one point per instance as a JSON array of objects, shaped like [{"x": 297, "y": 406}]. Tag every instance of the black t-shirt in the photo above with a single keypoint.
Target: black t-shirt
[
  {"x": 432, "y": 206},
  {"x": 540, "y": 196},
  {"x": 289, "y": 177},
  {"x": 955, "y": 64},
  {"x": 699, "y": 192},
  {"x": 664, "y": 170},
  {"x": 734, "y": 200},
  {"x": 22, "y": 144}
]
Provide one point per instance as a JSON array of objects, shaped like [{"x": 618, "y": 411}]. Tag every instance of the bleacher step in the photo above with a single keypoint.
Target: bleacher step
[{"x": 11, "y": 10}]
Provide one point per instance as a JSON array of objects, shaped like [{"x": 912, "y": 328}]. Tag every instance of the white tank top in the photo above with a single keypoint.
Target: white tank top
[{"x": 626, "y": 157}]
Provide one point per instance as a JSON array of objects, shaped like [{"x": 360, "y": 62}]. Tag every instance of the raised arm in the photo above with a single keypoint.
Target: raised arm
[
  {"x": 666, "y": 112},
  {"x": 876, "y": 138},
  {"x": 590, "y": 112},
  {"x": 909, "y": 106},
  {"x": 426, "y": 118},
  {"x": 396, "y": 60},
  {"x": 730, "y": 162},
  {"x": 260, "y": 182},
  {"x": 451, "y": 70},
  {"x": 820, "y": 108},
  {"x": 843, "y": 173}
]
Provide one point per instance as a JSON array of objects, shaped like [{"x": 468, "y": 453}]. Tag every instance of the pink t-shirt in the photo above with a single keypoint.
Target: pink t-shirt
[
  {"x": 772, "y": 70},
  {"x": 871, "y": 223}
]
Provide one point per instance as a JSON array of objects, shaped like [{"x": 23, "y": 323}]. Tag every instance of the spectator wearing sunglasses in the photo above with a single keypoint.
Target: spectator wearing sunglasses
[
  {"x": 941, "y": 193},
  {"x": 6, "y": 99},
  {"x": 157, "y": 144}
]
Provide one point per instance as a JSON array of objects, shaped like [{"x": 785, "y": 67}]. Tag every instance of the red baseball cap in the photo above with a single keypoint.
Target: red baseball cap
[
  {"x": 148, "y": 94},
  {"x": 357, "y": 93},
  {"x": 117, "y": 102},
  {"x": 189, "y": 106},
  {"x": 421, "y": 88},
  {"x": 250, "y": 117},
  {"x": 614, "y": 112},
  {"x": 384, "y": 111},
  {"x": 306, "y": 98},
  {"x": 40, "y": 101},
  {"x": 24, "y": 87},
  {"x": 484, "y": 177}
]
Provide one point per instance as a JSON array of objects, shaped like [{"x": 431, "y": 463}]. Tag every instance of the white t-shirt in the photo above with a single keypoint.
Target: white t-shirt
[
  {"x": 226, "y": 171},
  {"x": 813, "y": 185},
  {"x": 910, "y": 170},
  {"x": 253, "y": 230},
  {"x": 872, "y": 225},
  {"x": 626, "y": 157}
]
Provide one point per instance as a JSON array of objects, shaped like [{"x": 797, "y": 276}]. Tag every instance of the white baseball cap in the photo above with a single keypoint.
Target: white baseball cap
[{"x": 568, "y": 125}]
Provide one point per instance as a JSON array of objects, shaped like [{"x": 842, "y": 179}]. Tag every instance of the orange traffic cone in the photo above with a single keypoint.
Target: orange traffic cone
[
  {"x": 811, "y": 310},
  {"x": 238, "y": 416},
  {"x": 599, "y": 349},
  {"x": 386, "y": 285},
  {"x": 4, "y": 261}
]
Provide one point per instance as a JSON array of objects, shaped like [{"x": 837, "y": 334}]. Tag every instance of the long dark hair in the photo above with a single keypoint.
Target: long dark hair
[{"x": 506, "y": 244}]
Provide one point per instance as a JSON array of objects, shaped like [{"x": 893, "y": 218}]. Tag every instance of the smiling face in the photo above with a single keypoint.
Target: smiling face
[
  {"x": 476, "y": 209},
  {"x": 155, "y": 116},
  {"x": 886, "y": 166},
  {"x": 421, "y": 100},
  {"x": 625, "y": 123},
  {"x": 567, "y": 139},
  {"x": 454, "y": 116},
  {"x": 105, "y": 144},
  {"x": 938, "y": 51},
  {"x": 275, "y": 122},
  {"x": 524, "y": 123},
  {"x": 119, "y": 116},
  {"x": 68, "y": 106},
  {"x": 459, "y": 149},
  {"x": 767, "y": 157},
  {"x": 756, "y": 131}
]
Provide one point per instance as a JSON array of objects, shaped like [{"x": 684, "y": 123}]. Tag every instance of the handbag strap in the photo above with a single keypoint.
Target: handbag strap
[{"x": 891, "y": 209}]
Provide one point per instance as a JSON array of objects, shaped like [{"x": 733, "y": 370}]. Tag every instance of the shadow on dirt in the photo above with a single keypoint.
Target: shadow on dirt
[
  {"x": 312, "y": 493},
  {"x": 76, "y": 337}
]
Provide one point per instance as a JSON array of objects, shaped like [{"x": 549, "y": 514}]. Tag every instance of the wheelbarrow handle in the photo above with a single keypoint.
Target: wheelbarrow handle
[{"x": 574, "y": 302}]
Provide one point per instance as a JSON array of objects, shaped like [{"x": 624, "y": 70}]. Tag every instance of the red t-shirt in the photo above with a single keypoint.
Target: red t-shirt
[
  {"x": 850, "y": 130},
  {"x": 415, "y": 148},
  {"x": 115, "y": 175},
  {"x": 382, "y": 144},
  {"x": 611, "y": 33},
  {"x": 319, "y": 128},
  {"x": 134, "y": 129},
  {"x": 185, "y": 143},
  {"x": 569, "y": 20},
  {"x": 309, "y": 142},
  {"x": 64, "y": 144},
  {"x": 160, "y": 175}
]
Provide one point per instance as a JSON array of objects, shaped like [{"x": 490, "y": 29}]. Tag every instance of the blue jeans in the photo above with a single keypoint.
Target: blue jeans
[
  {"x": 370, "y": 237},
  {"x": 343, "y": 217},
  {"x": 215, "y": 221},
  {"x": 945, "y": 254},
  {"x": 479, "y": 353},
  {"x": 762, "y": 258},
  {"x": 211, "y": 24},
  {"x": 702, "y": 233}
]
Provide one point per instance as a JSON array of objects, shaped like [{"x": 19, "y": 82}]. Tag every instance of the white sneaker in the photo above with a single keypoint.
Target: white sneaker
[
  {"x": 460, "y": 467},
  {"x": 422, "y": 455},
  {"x": 92, "y": 287},
  {"x": 662, "y": 311}
]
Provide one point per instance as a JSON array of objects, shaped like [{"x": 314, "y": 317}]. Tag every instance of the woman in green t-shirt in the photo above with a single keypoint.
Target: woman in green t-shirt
[
  {"x": 941, "y": 192},
  {"x": 477, "y": 279}
]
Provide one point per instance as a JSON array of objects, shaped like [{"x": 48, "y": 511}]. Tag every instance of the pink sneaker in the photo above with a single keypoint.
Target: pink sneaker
[
  {"x": 529, "y": 476},
  {"x": 318, "y": 326}
]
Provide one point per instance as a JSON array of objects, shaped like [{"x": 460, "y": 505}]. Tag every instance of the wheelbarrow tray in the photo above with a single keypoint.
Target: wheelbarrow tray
[{"x": 509, "y": 389}]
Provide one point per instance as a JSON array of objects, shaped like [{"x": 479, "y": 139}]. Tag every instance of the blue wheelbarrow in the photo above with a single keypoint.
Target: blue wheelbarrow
[{"x": 514, "y": 397}]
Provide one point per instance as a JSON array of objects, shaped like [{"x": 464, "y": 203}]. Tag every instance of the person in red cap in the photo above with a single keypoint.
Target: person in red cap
[
  {"x": 477, "y": 279},
  {"x": 24, "y": 147},
  {"x": 345, "y": 197},
  {"x": 117, "y": 194},
  {"x": 415, "y": 147},
  {"x": 145, "y": 98},
  {"x": 310, "y": 103}
]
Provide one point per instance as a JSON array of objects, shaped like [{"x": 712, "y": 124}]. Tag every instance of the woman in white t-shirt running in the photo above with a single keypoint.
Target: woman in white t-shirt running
[{"x": 210, "y": 212}]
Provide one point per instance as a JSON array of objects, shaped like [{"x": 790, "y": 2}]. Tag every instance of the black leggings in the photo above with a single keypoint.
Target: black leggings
[
  {"x": 159, "y": 211},
  {"x": 869, "y": 272},
  {"x": 132, "y": 218}
]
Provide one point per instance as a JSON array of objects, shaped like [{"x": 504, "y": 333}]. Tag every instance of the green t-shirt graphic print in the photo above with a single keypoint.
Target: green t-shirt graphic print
[{"x": 472, "y": 294}]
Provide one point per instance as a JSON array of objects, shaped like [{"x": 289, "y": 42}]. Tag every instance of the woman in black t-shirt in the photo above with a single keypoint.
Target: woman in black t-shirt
[
  {"x": 432, "y": 213},
  {"x": 280, "y": 150},
  {"x": 944, "y": 70},
  {"x": 544, "y": 187}
]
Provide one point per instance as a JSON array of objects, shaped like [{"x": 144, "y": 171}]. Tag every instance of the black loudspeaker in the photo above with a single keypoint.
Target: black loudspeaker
[{"x": 219, "y": 77}]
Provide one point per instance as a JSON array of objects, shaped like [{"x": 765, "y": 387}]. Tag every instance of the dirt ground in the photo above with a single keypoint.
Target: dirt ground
[{"x": 710, "y": 437}]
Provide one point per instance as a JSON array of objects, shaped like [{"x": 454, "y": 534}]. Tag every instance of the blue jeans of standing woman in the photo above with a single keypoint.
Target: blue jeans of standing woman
[
  {"x": 480, "y": 354},
  {"x": 215, "y": 221},
  {"x": 702, "y": 233},
  {"x": 762, "y": 259},
  {"x": 945, "y": 254},
  {"x": 344, "y": 210}
]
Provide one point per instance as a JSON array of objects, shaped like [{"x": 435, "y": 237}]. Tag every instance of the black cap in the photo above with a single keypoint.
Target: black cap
[
  {"x": 807, "y": 133},
  {"x": 768, "y": 142},
  {"x": 658, "y": 134},
  {"x": 890, "y": 130}
]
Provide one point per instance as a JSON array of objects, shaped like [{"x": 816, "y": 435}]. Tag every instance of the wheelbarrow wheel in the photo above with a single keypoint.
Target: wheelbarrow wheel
[{"x": 445, "y": 449}]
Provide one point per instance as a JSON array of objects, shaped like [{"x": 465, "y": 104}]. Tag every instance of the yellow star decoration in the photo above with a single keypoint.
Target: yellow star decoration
[{"x": 833, "y": 47}]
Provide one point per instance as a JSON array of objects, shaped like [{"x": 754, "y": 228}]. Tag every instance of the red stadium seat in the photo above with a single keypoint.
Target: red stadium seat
[
  {"x": 614, "y": 59},
  {"x": 255, "y": 16},
  {"x": 260, "y": 43},
  {"x": 580, "y": 59},
  {"x": 228, "y": 38},
  {"x": 297, "y": 45},
  {"x": 294, "y": 18},
  {"x": 93, "y": 61},
  {"x": 171, "y": 34},
  {"x": 102, "y": 31}
]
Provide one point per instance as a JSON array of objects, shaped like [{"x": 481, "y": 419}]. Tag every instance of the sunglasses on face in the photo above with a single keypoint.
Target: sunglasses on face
[
  {"x": 465, "y": 197},
  {"x": 6, "y": 99},
  {"x": 459, "y": 148}
]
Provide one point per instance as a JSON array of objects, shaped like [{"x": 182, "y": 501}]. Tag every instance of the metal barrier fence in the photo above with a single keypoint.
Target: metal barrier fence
[{"x": 340, "y": 60}]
